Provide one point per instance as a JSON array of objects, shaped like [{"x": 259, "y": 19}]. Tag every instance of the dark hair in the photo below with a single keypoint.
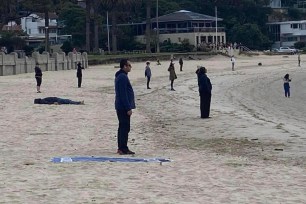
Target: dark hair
[
  {"x": 123, "y": 62},
  {"x": 201, "y": 70},
  {"x": 148, "y": 63},
  {"x": 37, "y": 101},
  {"x": 286, "y": 76}
]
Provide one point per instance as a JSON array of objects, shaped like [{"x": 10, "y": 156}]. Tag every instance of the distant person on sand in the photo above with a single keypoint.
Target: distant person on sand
[
  {"x": 158, "y": 62},
  {"x": 79, "y": 74},
  {"x": 148, "y": 74},
  {"x": 38, "y": 77},
  {"x": 286, "y": 85},
  {"x": 56, "y": 101},
  {"x": 181, "y": 64},
  {"x": 233, "y": 60},
  {"x": 172, "y": 74},
  {"x": 299, "y": 59},
  {"x": 205, "y": 88},
  {"x": 124, "y": 103}
]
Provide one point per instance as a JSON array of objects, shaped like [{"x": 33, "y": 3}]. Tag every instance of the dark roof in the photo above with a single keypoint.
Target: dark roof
[
  {"x": 184, "y": 15},
  {"x": 51, "y": 15}
]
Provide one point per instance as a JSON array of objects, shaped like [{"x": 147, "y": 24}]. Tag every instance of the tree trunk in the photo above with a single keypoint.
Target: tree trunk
[
  {"x": 96, "y": 44},
  {"x": 148, "y": 26},
  {"x": 114, "y": 32},
  {"x": 47, "y": 46},
  {"x": 88, "y": 7}
]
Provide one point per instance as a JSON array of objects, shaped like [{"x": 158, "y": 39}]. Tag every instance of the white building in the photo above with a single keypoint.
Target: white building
[
  {"x": 180, "y": 25},
  {"x": 34, "y": 26},
  {"x": 285, "y": 34}
]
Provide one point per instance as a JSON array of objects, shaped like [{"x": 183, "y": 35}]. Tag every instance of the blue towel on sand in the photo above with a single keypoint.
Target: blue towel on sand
[{"x": 105, "y": 159}]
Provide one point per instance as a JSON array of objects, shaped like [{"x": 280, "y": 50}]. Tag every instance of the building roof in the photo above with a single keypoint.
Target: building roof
[
  {"x": 184, "y": 15},
  {"x": 286, "y": 22},
  {"x": 42, "y": 15}
]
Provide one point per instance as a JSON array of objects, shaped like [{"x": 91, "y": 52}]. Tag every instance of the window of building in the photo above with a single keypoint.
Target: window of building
[
  {"x": 295, "y": 25},
  {"x": 203, "y": 38}
]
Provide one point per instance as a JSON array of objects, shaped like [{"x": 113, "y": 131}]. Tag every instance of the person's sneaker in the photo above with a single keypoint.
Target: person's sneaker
[
  {"x": 148, "y": 88},
  {"x": 82, "y": 103},
  {"x": 130, "y": 152},
  {"x": 172, "y": 89},
  {"x": 120, "y": 152}
]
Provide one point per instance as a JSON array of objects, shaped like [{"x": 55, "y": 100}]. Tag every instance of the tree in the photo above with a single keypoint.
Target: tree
[
  {"x": 73, "y": 20},
  {"x": 148, "y": 26},
  {"x": 117, "y": 8},
  {"x": 8, "y": 11}
]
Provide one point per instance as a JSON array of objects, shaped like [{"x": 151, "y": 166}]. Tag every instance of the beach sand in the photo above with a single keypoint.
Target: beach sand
[{"x": 251, "y": 150}]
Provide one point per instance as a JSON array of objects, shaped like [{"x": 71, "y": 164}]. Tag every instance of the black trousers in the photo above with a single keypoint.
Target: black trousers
[
  {"x": 38, "y": 81},
  {"x": 148, "y": 82},
  {"x": 79, "y": 82},
  {"x": 123, "y": 130},
  {"x": 205, "y": 99}
]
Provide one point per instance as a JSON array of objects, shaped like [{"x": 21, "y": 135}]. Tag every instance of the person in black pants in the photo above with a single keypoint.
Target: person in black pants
[
  {"x": 38, "y": 77},
  {"x": 124, "y": 103},
  {"x": 205, "y": 88},
  {"x": 79, "y": 74}
]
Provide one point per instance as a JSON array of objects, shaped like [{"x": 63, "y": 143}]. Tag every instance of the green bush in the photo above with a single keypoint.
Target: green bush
[{"x": 299, "y": 45}]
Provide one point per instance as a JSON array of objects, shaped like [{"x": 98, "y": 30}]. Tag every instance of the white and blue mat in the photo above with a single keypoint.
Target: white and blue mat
[{"x": 106, "y": 159}]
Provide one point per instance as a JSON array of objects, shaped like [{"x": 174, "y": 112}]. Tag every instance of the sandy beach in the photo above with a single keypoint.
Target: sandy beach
[{"x": 251, "y": 150}]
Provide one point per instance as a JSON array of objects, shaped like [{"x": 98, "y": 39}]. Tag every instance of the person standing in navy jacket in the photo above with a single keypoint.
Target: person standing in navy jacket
[
  {"x": 205, "y": 88},
  {"x": 124, "y": 103}
]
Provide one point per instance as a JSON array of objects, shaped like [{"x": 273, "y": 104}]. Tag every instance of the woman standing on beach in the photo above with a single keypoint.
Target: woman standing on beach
[
  {"x": 286, "y": 85},
  {"x": 172, "y": 74},
  {"x": 38, "y": 77}
]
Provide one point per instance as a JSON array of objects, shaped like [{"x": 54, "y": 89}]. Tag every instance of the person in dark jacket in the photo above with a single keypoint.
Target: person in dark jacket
[
  {"x": 79, "y": 74},
  {"x": 205, "y": 88},
  {"x": 124, "y": 103},
  {"x": 148, "y": 74},
  {"x": 56, "y": 101},
  {"x": 172, "y": 74},
  {"x": 38, "y": 77},
  {"x": 181, "y": 64}
]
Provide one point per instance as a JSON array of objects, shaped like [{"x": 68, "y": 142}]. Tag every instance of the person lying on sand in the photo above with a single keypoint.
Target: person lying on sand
[{"x": 56, "y": 101}]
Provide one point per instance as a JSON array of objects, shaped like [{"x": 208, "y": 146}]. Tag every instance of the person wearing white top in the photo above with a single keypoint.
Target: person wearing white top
[{"x": 233, "y": 62}]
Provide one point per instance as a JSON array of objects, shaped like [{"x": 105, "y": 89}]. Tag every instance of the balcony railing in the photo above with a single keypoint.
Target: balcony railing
[{"x": 190, "y": 30}]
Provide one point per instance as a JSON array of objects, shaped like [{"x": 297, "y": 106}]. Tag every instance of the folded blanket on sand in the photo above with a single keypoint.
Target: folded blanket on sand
[{"x": 106, "y": 159}]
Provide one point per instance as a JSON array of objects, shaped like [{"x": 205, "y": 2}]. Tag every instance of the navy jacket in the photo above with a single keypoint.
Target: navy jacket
[
  {"x": 125, "y": 99},
  {"x": 204, "y": 84}
]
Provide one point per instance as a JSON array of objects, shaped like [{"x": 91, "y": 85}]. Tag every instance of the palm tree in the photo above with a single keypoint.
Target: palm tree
[
  {"x": 88, "y": 10},
  {"x": 148, "y": 26}
]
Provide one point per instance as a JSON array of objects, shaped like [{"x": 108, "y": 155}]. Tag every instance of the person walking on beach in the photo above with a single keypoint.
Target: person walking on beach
[
  {"x": 205, "y": 88},
  {"x": 38, "y": 77},
  {"x": 233, "y": 60},
  {"x": 79, "y": 74},
  {"x": 181, "y": 64},
  {"x": 286, "y": 85},
  {"x": 148, "y": 74},
  {"x": 172, "y": 74},
  {"x": 299, "y": 59},
  {"x": 124, "y": 103},
  {"x": 56, "y": 101}
]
